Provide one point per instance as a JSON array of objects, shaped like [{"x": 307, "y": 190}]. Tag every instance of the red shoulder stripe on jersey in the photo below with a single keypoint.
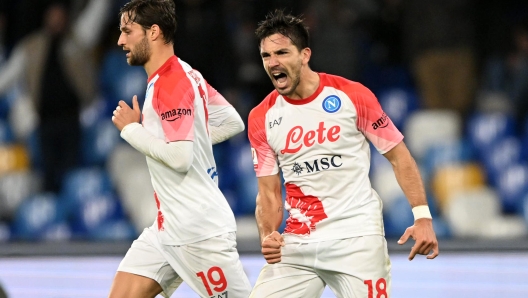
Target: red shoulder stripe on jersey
[
  {"x": 174, "y": 103},
  {"x": 167, "y": 65},
  {"x": 371, "y": 119},
  {"x": 257, "y": 136}
]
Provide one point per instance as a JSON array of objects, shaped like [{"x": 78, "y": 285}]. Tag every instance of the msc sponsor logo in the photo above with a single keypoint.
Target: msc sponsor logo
[
  {"x": 175, "y": 114},
  {"x": 317, "y": 165},
  {"x": 298, "y": 138},
  {"x": 331, "y": 104},
  {"x": 382, "y": 122}
]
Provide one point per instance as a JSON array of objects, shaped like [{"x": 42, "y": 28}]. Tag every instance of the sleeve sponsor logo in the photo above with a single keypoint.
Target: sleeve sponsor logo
[
  {"x": 331, "y": 104},
  {"x": 175, "y": 114},
  {"x": 382, "y": 122}
]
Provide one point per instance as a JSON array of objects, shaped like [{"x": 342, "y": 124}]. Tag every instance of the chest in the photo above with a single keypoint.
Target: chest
[{"x": 326, "y": 124}]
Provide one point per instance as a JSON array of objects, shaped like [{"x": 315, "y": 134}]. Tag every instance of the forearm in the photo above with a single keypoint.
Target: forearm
[
  {"x": 410, "y": 181},
  {"x": 176, "y": 155},
  {"x": 269, "y": 213}
]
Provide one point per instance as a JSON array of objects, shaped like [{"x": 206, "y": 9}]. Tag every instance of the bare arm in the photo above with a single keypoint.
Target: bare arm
[
  {"x": 409, "y": 179},
  {"x": 269, "y": 214},
  {"x": 407, "y": 174}
]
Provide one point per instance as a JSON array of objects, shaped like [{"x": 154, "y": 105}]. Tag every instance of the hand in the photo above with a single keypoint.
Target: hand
[
  {"x": 124, "y": 115},
  {"x": 425, "y": 239},
  {"x": 271, "y": 247}
]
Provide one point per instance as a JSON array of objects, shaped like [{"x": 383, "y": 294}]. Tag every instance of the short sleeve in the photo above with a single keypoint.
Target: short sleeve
[
  {"x": 264, "y": 158},
  {"x": 175, "y": 107},
  {"x": 219, "y": 108},
  {"x": 373, "y": 122}
]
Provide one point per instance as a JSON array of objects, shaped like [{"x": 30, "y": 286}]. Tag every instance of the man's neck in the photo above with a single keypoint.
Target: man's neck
[
  {"x": 307, "y": 86},
  {"x": 158, "y": 58}
]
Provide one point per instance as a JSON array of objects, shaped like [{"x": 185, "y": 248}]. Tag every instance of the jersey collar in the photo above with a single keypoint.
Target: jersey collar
[
  {"x": 162, "y": 68},
  {"x": 309, "y": 98}
]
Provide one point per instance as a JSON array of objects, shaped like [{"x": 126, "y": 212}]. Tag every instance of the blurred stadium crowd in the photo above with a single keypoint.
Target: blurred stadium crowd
[{"x": 452, "y": 75}]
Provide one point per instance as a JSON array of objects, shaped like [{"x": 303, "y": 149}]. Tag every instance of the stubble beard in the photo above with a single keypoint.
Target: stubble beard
[
  {"x": 141, "y": 54},
  {"x": 295, "y": 80}
]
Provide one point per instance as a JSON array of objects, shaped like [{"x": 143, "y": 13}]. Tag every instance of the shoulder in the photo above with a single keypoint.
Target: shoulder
[
  {"x": 351, "y": 88},
  {"x": 174, "y": 78},
  {"x": 173, "y": 70},
  {"x": 261, "y": 109}
]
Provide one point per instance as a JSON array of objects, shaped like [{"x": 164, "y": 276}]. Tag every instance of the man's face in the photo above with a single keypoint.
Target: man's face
[
  {"x": 133, "y": 39},
  {"x": 282, "y": 61},
  {"x": 55, "y": 19}
]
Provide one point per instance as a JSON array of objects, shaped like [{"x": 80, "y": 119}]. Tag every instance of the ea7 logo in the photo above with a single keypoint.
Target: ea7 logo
[
  {"x": 175, "y": 114},
  {"x": 275, "y": 122},
  {"x": 382, "y": 122}
]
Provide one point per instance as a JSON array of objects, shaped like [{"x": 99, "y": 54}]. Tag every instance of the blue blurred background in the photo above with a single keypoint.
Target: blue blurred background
[{"x": 452, "y": 75}]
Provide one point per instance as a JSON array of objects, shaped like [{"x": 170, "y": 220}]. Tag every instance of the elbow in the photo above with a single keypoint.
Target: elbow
[
  {"x": 181, "y": 166},
  {"x": 240, "y": 126}
]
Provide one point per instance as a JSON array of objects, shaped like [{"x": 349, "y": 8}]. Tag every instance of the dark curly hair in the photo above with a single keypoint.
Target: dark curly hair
[
  {"x": 287, "y": 25},
  {"x": 149, "y": 12}
]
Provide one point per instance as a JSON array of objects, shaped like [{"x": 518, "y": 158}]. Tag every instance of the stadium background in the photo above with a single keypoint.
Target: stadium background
[{"x": 474, "y": 162}]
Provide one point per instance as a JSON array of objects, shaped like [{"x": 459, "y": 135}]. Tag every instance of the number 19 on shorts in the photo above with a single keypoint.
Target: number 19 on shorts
[
  {"x": 380, "y": 288},
  {"x": 214, "y": 277}
]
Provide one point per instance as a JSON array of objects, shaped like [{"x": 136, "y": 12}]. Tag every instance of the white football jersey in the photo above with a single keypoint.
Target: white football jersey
[
  {"x": 320, "y": 144},
  {"x": 178, "y": 103}
]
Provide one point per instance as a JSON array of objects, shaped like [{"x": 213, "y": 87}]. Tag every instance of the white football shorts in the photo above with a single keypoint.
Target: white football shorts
[
  {"x": 356, "y": 267},
  {"x": 211, "y": 267}
]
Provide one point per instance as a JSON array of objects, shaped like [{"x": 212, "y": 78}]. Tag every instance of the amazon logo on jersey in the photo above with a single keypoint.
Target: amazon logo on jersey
[
  {"x": 382, "y": 122},
  {"x": 175, "y": 114}
]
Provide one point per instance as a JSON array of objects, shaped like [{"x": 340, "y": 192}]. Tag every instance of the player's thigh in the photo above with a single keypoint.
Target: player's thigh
[
  {"x": 147, "y": 269},
  {"x": 357, "y": 267},
  {"x": 287, "y": 281},
  {"x": 212, "y": 267}
]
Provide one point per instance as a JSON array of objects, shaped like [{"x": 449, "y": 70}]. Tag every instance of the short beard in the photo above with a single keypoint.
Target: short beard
[
  {"x": 292, "y": 89},
  {"x": 295, "y": 80},
  {"x": 141, "y": 54}
]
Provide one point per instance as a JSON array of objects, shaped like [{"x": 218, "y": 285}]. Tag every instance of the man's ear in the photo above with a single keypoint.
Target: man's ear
[
  {"x": 155, "y": 32},
  {"x": 306, "y": 54}
]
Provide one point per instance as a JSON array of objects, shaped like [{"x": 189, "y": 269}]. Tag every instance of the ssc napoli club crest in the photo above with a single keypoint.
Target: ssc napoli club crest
[{"x": 331, "y": 104}]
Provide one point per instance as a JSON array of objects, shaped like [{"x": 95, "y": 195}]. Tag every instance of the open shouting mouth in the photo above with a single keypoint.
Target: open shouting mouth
[{"x": 280, "y": 78}]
